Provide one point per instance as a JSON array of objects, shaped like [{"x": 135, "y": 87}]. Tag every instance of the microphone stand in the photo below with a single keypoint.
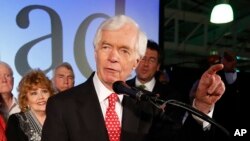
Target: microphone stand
[{"x": 156, "y": 100}]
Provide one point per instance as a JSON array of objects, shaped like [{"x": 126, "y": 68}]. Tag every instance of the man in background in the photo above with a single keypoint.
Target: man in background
[
  {"x": 63, "y": 77},
  {"x": 147, "y": 79},
  {"x": 147, "y": 70},
  {"x": 10, "y": 104},
  {"x": 231, "y": 110}
]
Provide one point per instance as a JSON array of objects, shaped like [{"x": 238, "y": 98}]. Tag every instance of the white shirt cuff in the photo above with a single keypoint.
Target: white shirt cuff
[{"x": 206, "y": 125}]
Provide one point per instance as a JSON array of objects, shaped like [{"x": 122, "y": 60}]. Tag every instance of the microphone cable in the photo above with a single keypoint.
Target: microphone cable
[{"x": 189, "y": 109}]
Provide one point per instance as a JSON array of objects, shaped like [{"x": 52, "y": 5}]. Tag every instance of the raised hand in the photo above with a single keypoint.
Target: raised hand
[{"x": 210, "y": 89}]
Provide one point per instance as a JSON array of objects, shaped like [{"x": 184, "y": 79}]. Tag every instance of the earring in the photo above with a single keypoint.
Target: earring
[{"x": 27, "y": 107}]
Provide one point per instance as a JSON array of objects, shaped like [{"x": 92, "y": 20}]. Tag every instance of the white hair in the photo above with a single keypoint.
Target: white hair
[
  {"x": 7, "y": 66},
  {"x": 117, "y": 22}
]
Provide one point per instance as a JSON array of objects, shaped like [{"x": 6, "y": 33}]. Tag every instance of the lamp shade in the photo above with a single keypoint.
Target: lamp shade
[{"x": 222, "y": 13}]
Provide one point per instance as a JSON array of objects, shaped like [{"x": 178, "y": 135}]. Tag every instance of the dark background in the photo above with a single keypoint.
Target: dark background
[{"x": 188, "y": 38}]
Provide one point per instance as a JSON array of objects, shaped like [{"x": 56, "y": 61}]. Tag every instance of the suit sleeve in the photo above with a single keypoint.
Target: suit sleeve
[{"x": 54, "y": 128}]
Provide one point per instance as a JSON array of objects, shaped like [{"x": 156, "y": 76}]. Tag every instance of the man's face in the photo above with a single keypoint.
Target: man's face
[
  {"x": 148, "y": 66},
  {"x": 63, "y": 79},
  {"x": 6, "y": 80},
  {"x": 229, "y": 65},
  {"x": 115, "y": 55}
]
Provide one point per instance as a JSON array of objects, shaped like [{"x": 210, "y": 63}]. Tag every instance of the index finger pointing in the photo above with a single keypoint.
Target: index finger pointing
[{"x": 215, "y": 68}]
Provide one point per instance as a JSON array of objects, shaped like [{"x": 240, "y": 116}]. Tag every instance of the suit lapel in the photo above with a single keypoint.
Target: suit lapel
[
  {"x": 90, "y": 111},
  {"x": 130, "y": 121}
]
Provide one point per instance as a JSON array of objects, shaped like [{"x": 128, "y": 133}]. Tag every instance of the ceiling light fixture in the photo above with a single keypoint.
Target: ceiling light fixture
[{"x": 222, "y": 13}]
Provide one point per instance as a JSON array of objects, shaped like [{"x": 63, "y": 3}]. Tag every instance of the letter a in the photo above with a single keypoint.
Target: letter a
[{"x": 237, "y": 132}]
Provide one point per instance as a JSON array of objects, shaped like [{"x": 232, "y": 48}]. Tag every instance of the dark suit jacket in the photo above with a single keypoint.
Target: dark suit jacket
[
  {"x": 166, "y": 92},
  {"x": 75, "y": 115},
  {"x": 231, "y": 110}
]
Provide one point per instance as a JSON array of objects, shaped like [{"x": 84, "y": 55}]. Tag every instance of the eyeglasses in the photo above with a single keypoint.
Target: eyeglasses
[{"x": 150, "y": 60}]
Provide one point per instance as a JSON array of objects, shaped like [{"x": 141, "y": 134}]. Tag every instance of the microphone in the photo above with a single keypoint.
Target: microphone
[{"x": 121, "y": 87}]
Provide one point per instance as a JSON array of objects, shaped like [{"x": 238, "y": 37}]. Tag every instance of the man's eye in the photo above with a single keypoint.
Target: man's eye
[
  {"x": 152, "y": 60},
  {"x": 70, "y": 77},
  {"x": 124, "y": 51},
  {"x": 105, "y": 46},
  {"x": 60, "y": 76}
]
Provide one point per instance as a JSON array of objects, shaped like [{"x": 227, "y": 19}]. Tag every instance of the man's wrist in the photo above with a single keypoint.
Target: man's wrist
[{"x": 202, "y": 106}]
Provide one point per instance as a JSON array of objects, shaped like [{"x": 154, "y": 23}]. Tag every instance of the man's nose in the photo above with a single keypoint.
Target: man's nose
[
  {"x": 65, "y": 80},
  {"x": 3, "y": 78},
  {"x": 113, "y": 55}
]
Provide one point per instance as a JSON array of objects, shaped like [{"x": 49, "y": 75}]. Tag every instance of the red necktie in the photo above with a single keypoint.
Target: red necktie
[{"x": 112, "y": 120}]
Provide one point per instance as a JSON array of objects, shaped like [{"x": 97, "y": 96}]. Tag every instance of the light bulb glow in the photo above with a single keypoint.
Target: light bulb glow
[{"x": 222, "y": 13}]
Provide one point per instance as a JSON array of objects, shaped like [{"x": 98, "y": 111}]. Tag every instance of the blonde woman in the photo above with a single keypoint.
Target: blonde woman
[{"x": 34, "y": 90}]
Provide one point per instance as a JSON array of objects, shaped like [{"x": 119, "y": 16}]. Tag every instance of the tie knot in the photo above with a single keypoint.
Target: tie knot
[{"x": 142, "y": 86}]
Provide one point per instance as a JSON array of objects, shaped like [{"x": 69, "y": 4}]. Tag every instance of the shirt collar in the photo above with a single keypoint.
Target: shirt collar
[
  {"x": 101, "y": 90},
  {"x": 149, "y": 85}
]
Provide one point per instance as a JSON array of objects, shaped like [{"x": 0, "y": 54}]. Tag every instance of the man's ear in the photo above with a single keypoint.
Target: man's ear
[
  {"x": 95, "y": 54},
  {"x": 137, "y": 61},
  {"x": 158, "y": 67}
]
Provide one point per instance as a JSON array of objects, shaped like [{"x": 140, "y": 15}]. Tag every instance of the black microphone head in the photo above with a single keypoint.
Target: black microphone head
[{"x": 120, "y": 87}]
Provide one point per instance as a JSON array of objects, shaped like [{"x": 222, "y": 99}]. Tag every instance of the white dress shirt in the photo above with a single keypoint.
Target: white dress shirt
[
  {"x": 149, "y": 85},
  {"x": 14, "y": 107},
  {"x": 231, "y": 77},
  {"x": 103, "y": 94}
]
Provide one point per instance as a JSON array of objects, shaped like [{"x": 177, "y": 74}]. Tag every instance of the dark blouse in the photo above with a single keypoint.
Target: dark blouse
[{"x": 23, "y": 126}]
